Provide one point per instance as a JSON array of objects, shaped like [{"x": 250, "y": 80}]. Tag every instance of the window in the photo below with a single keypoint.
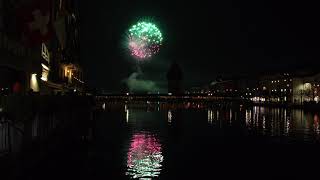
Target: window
[
  {"x": 45, "y": 72},
  {"x": 45, "y": 53}
]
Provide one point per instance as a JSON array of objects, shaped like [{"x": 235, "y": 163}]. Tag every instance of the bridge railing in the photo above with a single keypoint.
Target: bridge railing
[
  {"x": 10, "y": 135},
  {"x": 25, "y": 120},
  {"x": 4, "y": 138}
]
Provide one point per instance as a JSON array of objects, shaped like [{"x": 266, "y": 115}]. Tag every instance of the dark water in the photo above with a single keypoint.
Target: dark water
[
  {"x": 163, "y": 141},
  {"x": 142, "y": 143}
]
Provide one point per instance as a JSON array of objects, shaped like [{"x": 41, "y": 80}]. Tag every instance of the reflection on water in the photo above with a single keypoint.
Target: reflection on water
[
  {"x": 316, "y": 123},
  {"x": 248, "y": 117},
  {"x": 144, "y": 156},
  {"x": 210, "y": 116},
  {"x": 169, "y": 116},
  {"x": 126, "y": 110},
  {"x": 139, "y": 129}
]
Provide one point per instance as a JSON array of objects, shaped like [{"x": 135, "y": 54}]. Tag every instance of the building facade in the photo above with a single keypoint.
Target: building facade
[
  {"x": 290, "y": 88},
  {"x": 37, "y": 39},
  {"x": 306, "y": 89},
  {"x": 276, "y": 87}
]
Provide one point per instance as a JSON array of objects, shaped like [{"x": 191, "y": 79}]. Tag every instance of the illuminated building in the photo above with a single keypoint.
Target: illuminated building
[
  {"x": 306, "y": 88},
  {"x": 34, "y": 61},
  {"x": 69, "y": 71},
  {"x": 14, "y": 55},
  {"x": 276, "y": 87},
  {"x": 296, "y": 88},
  {"x": 222, "y": 88},
  {"x": 72, "y": 75},
  {"x": 243, "y": 86}
]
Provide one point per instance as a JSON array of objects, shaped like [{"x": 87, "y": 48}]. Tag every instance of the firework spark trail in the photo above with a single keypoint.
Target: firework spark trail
[{"x": 144, "y": 40}]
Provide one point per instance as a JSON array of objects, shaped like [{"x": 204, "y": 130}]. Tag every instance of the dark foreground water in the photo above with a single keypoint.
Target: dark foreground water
[
  {"x": 206, "y": 143},
  {"x": 165, "y": 142}
]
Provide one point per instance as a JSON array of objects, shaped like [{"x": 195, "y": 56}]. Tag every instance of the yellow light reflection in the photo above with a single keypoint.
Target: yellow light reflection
[
  {"x": 169, "y": 116},
  {"x": 248, "y": 117},
  {"x": 210, "y": 116},
  {"x": 127, "y": 113}
]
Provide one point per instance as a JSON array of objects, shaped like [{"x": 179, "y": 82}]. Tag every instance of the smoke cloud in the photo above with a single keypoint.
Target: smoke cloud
[{"x": 135, "y": 83}]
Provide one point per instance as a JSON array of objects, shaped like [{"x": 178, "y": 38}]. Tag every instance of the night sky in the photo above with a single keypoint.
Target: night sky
[{"x": 206, "y": 38}]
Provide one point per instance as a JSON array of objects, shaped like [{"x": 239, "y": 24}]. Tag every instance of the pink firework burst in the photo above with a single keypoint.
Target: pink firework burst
[
  {"x": 139, "y": 48},
  {"x": 144, "y": 40}
]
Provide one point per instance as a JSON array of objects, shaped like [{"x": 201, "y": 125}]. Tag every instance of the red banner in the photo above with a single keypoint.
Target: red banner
[{"x": 35, "y": 22}]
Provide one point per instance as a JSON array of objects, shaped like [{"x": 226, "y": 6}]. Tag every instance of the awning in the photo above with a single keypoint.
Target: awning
[{"x": 53, "y": 85}]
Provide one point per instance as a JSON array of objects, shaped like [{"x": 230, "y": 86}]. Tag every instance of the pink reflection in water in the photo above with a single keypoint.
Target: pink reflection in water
[
  {"x": 144, "y": 156},
  {"x": 316, "y": 122}
]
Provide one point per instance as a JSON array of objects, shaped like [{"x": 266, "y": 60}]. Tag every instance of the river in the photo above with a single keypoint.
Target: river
[{"x": 199, "y": 142}]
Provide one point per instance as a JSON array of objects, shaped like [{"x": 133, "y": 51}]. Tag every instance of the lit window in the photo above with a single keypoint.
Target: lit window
[
  {"x": 45, "y": 53},
  {"x": 45, "y": 72},
  {"x": 44, "y": 75},
  {"x": 34, "y": 83}
]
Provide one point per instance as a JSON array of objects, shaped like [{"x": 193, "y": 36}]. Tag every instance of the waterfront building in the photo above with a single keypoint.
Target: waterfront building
[
  {"x": 276, "y": 87},
  {"x": 38, "y": 40},
  {"x": 293, "y": 88},
  {"x": 223, "y": 88},
  {"x": 306, "y": 88},
  {"x": 195, "y": 90},
  {"x": 69, "y": 70},
  {"x": 243, "y": 87}
]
